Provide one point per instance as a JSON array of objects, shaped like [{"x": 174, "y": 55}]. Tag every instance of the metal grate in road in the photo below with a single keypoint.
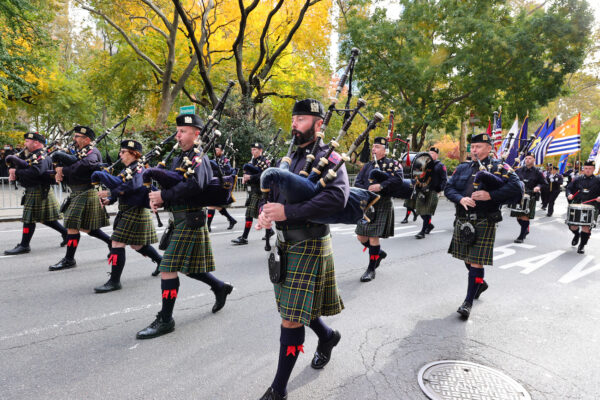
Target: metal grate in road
[{"x": 453, "y": 380}]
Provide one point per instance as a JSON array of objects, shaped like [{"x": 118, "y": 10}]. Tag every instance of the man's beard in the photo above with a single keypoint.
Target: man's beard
[{"x": 301, "y": 138}]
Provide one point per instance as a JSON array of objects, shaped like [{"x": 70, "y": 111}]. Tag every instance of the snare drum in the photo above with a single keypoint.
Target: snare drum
[
  {"x": 523, "y": 206},
  {"x": 581, "y": 215}
]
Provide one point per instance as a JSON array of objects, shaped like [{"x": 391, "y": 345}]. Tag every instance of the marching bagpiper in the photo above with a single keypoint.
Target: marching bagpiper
[
  {"x": 83, "y": 209},
  {"x": 534, "y": 181},
  {"x": 428, "y": 187},
  {"x": 477, "y": 213},
  {"x": 382, "y": 226},
  {"x": 39, "y": 202},
  {"x": 133, "y": 224},
  {"x": 220, "y": 164},
  {"x": 189, "y": 250}
]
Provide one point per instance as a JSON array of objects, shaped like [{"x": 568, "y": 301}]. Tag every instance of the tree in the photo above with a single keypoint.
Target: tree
[{"x": 444, "y": 57}]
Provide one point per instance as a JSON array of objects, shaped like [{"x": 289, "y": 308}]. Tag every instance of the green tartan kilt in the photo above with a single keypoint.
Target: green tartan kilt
[
  {"x": 310, "y": 289},
  {"x": 133, "y": 225},
  {"x": 85, "y": 211},
  {"x": 410, "y": 204},
  {"x": 530, "y": 214},
  {"x": 252, "y": 205},
  {"x": 189, "y": 250},
  {"x": 428, "y": 204},
  {"x": 480, "y": 252},
  {"x": 36, "y": 209},
  {"x": 383, "y": 224}
]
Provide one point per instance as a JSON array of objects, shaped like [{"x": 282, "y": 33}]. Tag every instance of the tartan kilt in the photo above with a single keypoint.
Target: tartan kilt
[
  {"x": 252, "y": 204},
  {"x": 383, "y": 224},
  {"x": 133, "y": 225},
  {"x": 36, "y": 209},
  {"x": 310, "y": 289},
  {"x": 410, "y": 204},
  {"x": 480, "y": 252},
  {"x": 531, "y": 214},
  {"x": 85, "y": 211},
  {"x": 428, "y": 204},
  {"x": 189, "y": 250}
]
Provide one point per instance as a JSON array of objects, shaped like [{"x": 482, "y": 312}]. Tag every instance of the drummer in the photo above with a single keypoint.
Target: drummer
[
  {"x": 584, "y": 189},
  {"x": 534, "y": 182}
]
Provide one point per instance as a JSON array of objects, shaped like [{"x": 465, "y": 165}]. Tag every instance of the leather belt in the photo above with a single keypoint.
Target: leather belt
[
  {"x": 179, "y": 215},
  {"x": 472, "y": 216},
  {"x": 301, "y": 234}
]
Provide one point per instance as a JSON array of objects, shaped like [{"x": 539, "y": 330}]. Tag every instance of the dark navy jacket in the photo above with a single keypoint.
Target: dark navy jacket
[
  {"x": 188, "y": 190},
  {"x": 80, "y": 173},
  {"x": 131, "y": 192},
  {"x": 222, "y": 162},
  {"x": 362, "y": 179},
  {"x": 458, "y": 186},
  {"x": 531, "y": 177},
  {"x": 554, "y": 182},
  {"x": 330, "y": 200},
  {"x": 588, "y": 188},
  {"x": 33, "y": 175},
  {"x": 263, "y": 164}
]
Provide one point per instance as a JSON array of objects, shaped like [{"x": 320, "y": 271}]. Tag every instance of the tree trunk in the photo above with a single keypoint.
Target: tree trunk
[
  {"x": 163, "y": 113},
  {"x": 462, "y": 144}
]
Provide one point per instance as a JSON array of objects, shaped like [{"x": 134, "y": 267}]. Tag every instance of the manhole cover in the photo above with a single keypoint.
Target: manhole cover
[{"x": 451, "y": 379}]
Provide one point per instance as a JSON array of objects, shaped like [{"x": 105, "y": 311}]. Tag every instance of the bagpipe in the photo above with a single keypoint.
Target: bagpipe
[
  {"x": 63, "y": 158},
  {"x": 297, "y": 188},
  {"x": 17, "y": 161},
  {"x": 404, "y": 188},
  {"x": 268, "y": 153},
  {"x": 218, "y": 191},
  {"x": 138, "y": 197}
]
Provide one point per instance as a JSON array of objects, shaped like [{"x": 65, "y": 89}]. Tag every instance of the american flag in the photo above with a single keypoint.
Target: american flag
[{"x": 497, "y": 133}]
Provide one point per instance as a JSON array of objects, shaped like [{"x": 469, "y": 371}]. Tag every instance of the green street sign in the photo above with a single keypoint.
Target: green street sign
[
  {"x": 187, "y": 110},
  {"x": 468, "y": 148}
]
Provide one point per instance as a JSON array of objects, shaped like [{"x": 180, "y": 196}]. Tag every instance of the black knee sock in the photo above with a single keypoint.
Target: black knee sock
[
  {"x": 585, "y": 236},
  {"x": 322, "y": 331},
  {"x": 575, "y": 233},
  {"x": 407, "y": 214},
  {"x": 209, "y": 217},
  {"x": 170, "y": 289},
  {"x": 366, "y": 245},
  {"x": 524, "y": 227},
  {"x": 475, "y": 279},
  {"x": 28, "y": 230},
  {"x": 208, "y": 278},
  {"x": 72, "y": 243},
  {"x": 98, "y": 234},
  {"x": 226, "y": 214},
  {"x": 291, "y": 344},
  {"x": 468, "y": 266},
  {"x": 148, "y": 251},
  {"x": 425, "y": 222},
  {"x": 247, "y": 227},
  {"x": 57, "y": 226},
  {"x": 117, "y": 260},
  {"x": 373, "y": 256}
]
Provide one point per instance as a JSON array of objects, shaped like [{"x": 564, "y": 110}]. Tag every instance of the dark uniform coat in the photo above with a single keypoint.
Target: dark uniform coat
[
  {"x": 189, "y": 250},
  {"x": 133, "y": 224},
  {"x": 39, "y": 201},
  {"x": 254, "y": 193},
  {"x": 310, "y": 289},
  {"x": 482, "y": 215},
  {"x": 84, "y": 210},
  {"x": 587, "y": 188},
  {"x": 382, "y": 225}
]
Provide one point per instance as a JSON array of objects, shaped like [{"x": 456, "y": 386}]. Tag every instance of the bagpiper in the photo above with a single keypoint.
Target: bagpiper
[
  {"x": 382, "y": 226},
  {"x": 220, "y": 164},
  {"x": 39, "y": 202},
  {"x": 554, "y": 182},
  {"x": 309, "y": 289},
  {"x": 478, "y": 212},
  {"x": 428, "y": 187},
  {"x": 251, "y": 178},
  {"x": 534, "y": 181},
  {"x": 584, "y": 188},
  {"x": 82, "y": 210},
  {"x": 189, "y": 250},
  {"x": 133, "y": 224}
]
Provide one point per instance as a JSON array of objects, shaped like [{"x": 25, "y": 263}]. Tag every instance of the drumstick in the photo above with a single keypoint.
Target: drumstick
[{"x": 589, "y": 201}]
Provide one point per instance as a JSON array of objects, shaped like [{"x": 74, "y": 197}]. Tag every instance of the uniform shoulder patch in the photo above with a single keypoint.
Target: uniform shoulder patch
[{"x": 334, "y": 157}]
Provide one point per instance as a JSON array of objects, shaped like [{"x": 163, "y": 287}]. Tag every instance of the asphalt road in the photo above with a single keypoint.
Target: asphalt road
[{"x": 539, "y": 321}]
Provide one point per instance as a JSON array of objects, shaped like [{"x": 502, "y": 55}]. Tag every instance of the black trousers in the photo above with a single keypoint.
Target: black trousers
[{"x": 552, "y": 196}]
